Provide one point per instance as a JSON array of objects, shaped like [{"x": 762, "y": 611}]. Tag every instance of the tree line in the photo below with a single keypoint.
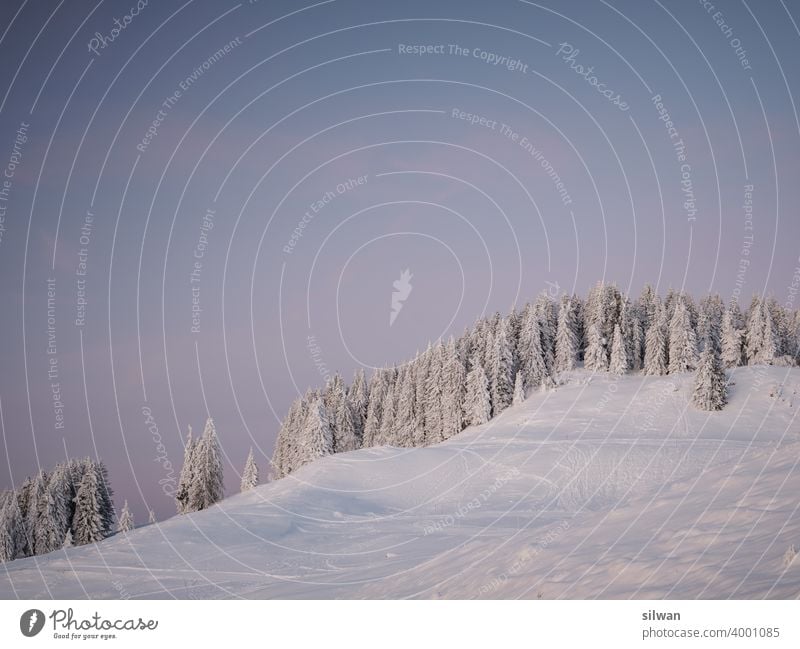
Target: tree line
[{"x": 501, "y": 359}]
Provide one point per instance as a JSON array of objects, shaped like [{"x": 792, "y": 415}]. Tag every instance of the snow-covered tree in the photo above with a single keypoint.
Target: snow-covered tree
[
  {"x": 125, "y": 523},
  {"x": 386, "y": 436},
  {"x": 433, "y": 396},
  {"x": 54, "y": 512},
  {"x": 88, "y": 525},
  {"x": 186, "y": 476},
  {"x": 519, "y": 390},
  {"x": 358, "y": 396},
  {"x": 346, "y": 435},
  {"x": 68, "y": 542},
  {"x": 501, "y": 379},
  {"x": 547, "y": 318},
  {"x": 454, "y": 385},
  {"x": 377, "y": 392},
  {"x": 619, "y": 358},
  {"x": 566, "y": 337},
  {"x": 12, "y": 530},
  {"x": 596, "y": 358},
  {"x": 731, "y": 339},
  {"x": 655, "y": 345},
  {"x": 250, "y": 473},
  {"x": 532, "y": 365},
  {"x": 405, "y": 417},
  {"x": 477, "y": 402},
  {"x": 682, "y": 340},
  {"x": 710, "y": 384},
  {"x": 36, "y": 506},
  {"x": 206, "y": 487},
  {"x": 151, "y": 517}
]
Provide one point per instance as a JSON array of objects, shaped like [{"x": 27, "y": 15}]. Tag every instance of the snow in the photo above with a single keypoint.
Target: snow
[{"x": 606, "y": 486}]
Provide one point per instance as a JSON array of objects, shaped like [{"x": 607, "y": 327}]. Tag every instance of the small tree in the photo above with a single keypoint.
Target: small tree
[
  {"x": 710, "y": 389},
  {"x": 519, "y": 390},
  {"x": 151, "y": 518},
  {"x": 185, "y": 479},
  {"x": 250, "y": 473},
  {"x": 125, "y": 519}
]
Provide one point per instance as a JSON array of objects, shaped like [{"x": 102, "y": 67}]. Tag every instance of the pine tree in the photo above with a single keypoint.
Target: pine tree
[
  {"x": 477, "y": 403},
  {"x": 566, "y": 338},
  {"x": 54, "y": 514},
  {"x": 36, "y": 527},
  {"x": 68, "y": 542},
  {"x": 151, "y": 518},
  {"x": 346, "y": 438},
  {"x": 454, "y": 380},
  {"x": 596, "y": 357},
  {"x": 710, "y": 388},
  {"x": 655, "y": 345},
  {"x": 250, "y": 473},
  {"x": 546, "y": 316},
  {"x": 12, "y": 531},
  {"x": 186, "y": 476},
  {"x": 405, "y": 418},
  {"x": 206, "y": 487},
  {"x": 88, "y": 525},
  {"x": 619, "y": 358},
  {"x": 359, "y": 399},
  {"x": 104, "y": 496},
  {"x": 433, "y": 396},
  {"x": 519, "y": 390},
  {"x": 731, "y": 340},
  {"x": 501, "y": 380},
  {"x": 386, "y": 435},
  {"x": 377, "y": 392},
  {"x": 317, "y": 434},
  {"x": 125, "y": 523},
  {"x": 24, "y": 494},
  {"x": 532, "y": 365},
  {"x": 682, "y": 340}
]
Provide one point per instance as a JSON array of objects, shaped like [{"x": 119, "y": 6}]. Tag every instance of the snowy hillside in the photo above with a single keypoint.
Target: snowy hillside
[{"x": 603, "y": 487}]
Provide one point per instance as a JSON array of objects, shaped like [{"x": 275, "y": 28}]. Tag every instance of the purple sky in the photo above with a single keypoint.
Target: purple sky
[{"x": 297, "y": 107}]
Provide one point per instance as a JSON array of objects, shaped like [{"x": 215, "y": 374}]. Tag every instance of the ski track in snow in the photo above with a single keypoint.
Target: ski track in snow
[{"x": 558, "y": 497}]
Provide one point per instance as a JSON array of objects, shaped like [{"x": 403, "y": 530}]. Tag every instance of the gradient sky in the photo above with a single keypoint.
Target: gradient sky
[{"x": 307, "y": 98}]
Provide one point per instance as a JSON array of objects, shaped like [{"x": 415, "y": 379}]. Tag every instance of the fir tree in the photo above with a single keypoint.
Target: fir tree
[
  {"x": 250, "y": 473},
  {"x": 88, "y": 525},
  {"x": 317, "y": 434},
  {"x": 206, "y": 487},
  {"x": 655, "y": 345},
  {"x": 566, "y": 338},
  {"x": 596, "y": 357},
  {"x": 477, "y": 404},
  {"x": 405, "y": 418},
  {"x": 710, "y": 388},
  {"x": 519, "y": 390},
  {"x": 125, "y": 523},
  {"x": 186, "y": 476},
  {"x": 151, "y": 517},
  {"x": 377, "y": 392},
  {"x": 532, "y": 365},
  {"x": 433, "y": 396},
  {"x": 454, "y": 380},
  {"x": 104, "y": 496},
  {"x": 12, "y": 531},
  {"x": 501, "y": 379},
  {"x": 386, "y": 436},
  {"x": 346, "y": 437},
  {"x": 358, "y": 396},
  {"x": 619, "y": 359},
  {"x": 54, "y": 514},
  {"x": 731, "y": 340},
  {"x": 68, "y": 542},
  {"x": 682, "y": 340}
]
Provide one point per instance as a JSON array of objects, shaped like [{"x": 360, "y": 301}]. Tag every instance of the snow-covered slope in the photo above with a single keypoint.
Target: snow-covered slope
[{"x": 603, "y": 487}]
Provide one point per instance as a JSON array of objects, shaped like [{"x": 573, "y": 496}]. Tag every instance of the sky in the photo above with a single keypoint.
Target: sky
[{"x": 207, "y": 206}]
